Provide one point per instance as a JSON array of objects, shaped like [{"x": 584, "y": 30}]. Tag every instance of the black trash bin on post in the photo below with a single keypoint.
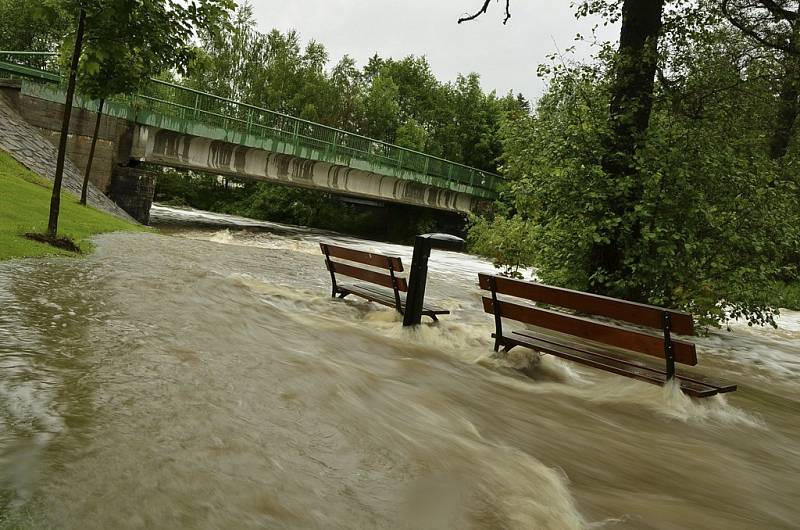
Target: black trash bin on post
[{"x": 418, "y": 275}]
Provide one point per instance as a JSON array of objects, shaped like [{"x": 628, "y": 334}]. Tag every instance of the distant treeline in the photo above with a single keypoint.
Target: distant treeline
[{"x": 398, "y": 101}]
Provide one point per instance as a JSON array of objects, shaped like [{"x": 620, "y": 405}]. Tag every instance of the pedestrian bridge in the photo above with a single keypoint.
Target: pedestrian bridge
[{"x": 176, "y": 126}]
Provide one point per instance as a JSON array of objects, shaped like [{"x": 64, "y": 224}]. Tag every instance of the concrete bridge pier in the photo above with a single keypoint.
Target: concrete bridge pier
[{"x": 133, "y": 189}]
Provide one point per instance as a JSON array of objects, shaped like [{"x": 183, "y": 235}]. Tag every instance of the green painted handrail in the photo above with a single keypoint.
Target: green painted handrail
[
  {"x": 161, "y": 103},
  {"x": 28, "y": 54}
]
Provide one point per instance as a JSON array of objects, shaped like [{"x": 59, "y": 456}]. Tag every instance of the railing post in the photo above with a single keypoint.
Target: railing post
[
  {"x": 196, "y": 105},
  {"x": 296, "y": 136},
  {"x": 669, "y": 351}
]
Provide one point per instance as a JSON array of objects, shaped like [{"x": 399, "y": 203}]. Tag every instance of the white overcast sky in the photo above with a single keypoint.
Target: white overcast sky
[{"x": 505, "y": 56}]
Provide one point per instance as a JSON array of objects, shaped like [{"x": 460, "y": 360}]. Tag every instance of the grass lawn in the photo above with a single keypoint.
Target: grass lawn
[{"x": 25, "y": 207}]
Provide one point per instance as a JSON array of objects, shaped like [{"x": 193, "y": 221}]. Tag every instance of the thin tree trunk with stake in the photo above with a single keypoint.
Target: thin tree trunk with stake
[
  {"x": 55, "y": 200},
  {"x": 91, "y": 153}
]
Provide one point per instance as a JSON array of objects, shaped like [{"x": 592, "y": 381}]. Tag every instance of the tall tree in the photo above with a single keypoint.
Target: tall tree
[
  {"x": 631, "y": 102},
  {"x": 88, "y": 171},
  {"x": 129, "y": 40},
  {"x": 115, "y": 63},
  {"x": 55, "y": 199},
  {"x": 631, "y": 91},
  {"x": 698, "y": 218},
  {"x": 634, "y": 68}
]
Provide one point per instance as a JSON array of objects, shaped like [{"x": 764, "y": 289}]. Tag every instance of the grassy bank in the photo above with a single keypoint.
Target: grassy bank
[{"x": 25, "y": 206}]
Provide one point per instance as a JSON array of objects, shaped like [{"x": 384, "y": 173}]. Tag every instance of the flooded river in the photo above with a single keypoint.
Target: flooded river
[{"x": 203, "y": 378}]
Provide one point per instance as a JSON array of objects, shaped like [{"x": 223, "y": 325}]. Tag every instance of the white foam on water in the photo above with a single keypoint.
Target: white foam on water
[{"x": 472, "y": 344}]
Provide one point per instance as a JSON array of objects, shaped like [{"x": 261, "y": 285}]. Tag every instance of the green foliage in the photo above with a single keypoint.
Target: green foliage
[
  {"x": 28, "y": 25},
  {"x": 196, "y": 189},
  {"x": 716, "y": 218},
  {"x": 412, "y": 135},
  {"x": 508, "y": 242},
  {"x": 789, "y": 295},
  {"x": 284, "y": 205},
  {"x": 129, "y": 41}
]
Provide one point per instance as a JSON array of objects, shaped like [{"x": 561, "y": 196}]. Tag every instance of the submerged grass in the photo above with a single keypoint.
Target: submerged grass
[{"x": 25, "y": 207}]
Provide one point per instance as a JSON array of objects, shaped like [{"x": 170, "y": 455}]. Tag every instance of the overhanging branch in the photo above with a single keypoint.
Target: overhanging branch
[
  {"x": 484, "y": 9},
  {"x": 752, "y": 33}
]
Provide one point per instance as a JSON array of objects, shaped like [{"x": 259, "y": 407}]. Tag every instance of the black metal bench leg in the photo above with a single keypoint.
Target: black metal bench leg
[{"x": 434, "y": 318}]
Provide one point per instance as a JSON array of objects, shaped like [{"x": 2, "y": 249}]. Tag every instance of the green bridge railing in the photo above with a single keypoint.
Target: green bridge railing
[{"x": 185, "y": 110}]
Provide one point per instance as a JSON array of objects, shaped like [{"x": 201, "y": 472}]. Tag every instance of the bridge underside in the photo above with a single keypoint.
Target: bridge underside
[{"x": 169, "y": 148}]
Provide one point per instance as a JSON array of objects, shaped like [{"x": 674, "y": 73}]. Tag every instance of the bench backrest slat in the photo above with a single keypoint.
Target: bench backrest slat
[
  {"x": 588, "y": 329},
  {"x": 367, "y": 258},
  {"x": 375, "y": 277},
  {"x": 592, "y": 304}
]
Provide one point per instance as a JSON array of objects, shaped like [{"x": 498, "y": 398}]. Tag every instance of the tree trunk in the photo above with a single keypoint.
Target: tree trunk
[
  {"x": 55, "y": 200},
  {"x": 789, "y": 100},
  {"x": 91, "y": 152},
  {"x": 629, "y": 116},
  {"x": 634, "y": 77}
]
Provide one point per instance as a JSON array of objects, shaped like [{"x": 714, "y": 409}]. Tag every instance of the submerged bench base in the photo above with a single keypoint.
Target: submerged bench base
[
  {"x": 384, "y": 297},
  {"x": 597, "y": 358}
]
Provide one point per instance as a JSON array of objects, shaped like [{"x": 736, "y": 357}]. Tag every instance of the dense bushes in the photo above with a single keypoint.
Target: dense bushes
[{"x": 716, "y": 221}]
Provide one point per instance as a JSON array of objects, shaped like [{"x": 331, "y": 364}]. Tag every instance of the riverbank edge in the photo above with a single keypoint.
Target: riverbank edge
[{"x": 25, "y": 207}]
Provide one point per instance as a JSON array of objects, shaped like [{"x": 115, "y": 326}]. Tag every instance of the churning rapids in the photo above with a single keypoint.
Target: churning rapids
[{"x": 203, "y": 378}]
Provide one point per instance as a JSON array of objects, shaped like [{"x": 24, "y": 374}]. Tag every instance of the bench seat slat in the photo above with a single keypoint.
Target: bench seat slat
[
  {"x": 632, "y": 312},
  {"x": 609, "y": 364},
  {"x": 588, "y": 329},
  {"x": 385, "y": 297},
  {"x": 722, "y": 387},
  {"x": 367, "y": 275},
  {"x": 367, "y": 258}
]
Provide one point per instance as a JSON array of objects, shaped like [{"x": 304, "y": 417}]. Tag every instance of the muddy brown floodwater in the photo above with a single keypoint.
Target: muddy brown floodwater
[{"x": 205, "y": 379}]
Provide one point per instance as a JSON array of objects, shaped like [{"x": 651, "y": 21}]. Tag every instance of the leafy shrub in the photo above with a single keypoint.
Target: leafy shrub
[{"x": 714, "y": 220}]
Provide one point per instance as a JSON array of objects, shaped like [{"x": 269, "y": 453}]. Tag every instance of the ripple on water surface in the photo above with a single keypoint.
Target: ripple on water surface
[{"x": 207, "y": 380}]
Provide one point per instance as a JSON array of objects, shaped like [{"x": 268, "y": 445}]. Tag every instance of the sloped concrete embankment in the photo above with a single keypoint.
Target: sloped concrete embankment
[{"x": 26, "y": 144}]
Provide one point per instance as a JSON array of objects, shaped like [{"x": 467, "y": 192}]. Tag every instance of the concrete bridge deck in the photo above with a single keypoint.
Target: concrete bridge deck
[{"x": 175, "y": 126}]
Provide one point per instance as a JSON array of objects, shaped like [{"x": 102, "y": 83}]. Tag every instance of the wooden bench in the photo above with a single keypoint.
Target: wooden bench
[
  {"x": 386, "y": 289},
  {"x": 564, "y": 334}
]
